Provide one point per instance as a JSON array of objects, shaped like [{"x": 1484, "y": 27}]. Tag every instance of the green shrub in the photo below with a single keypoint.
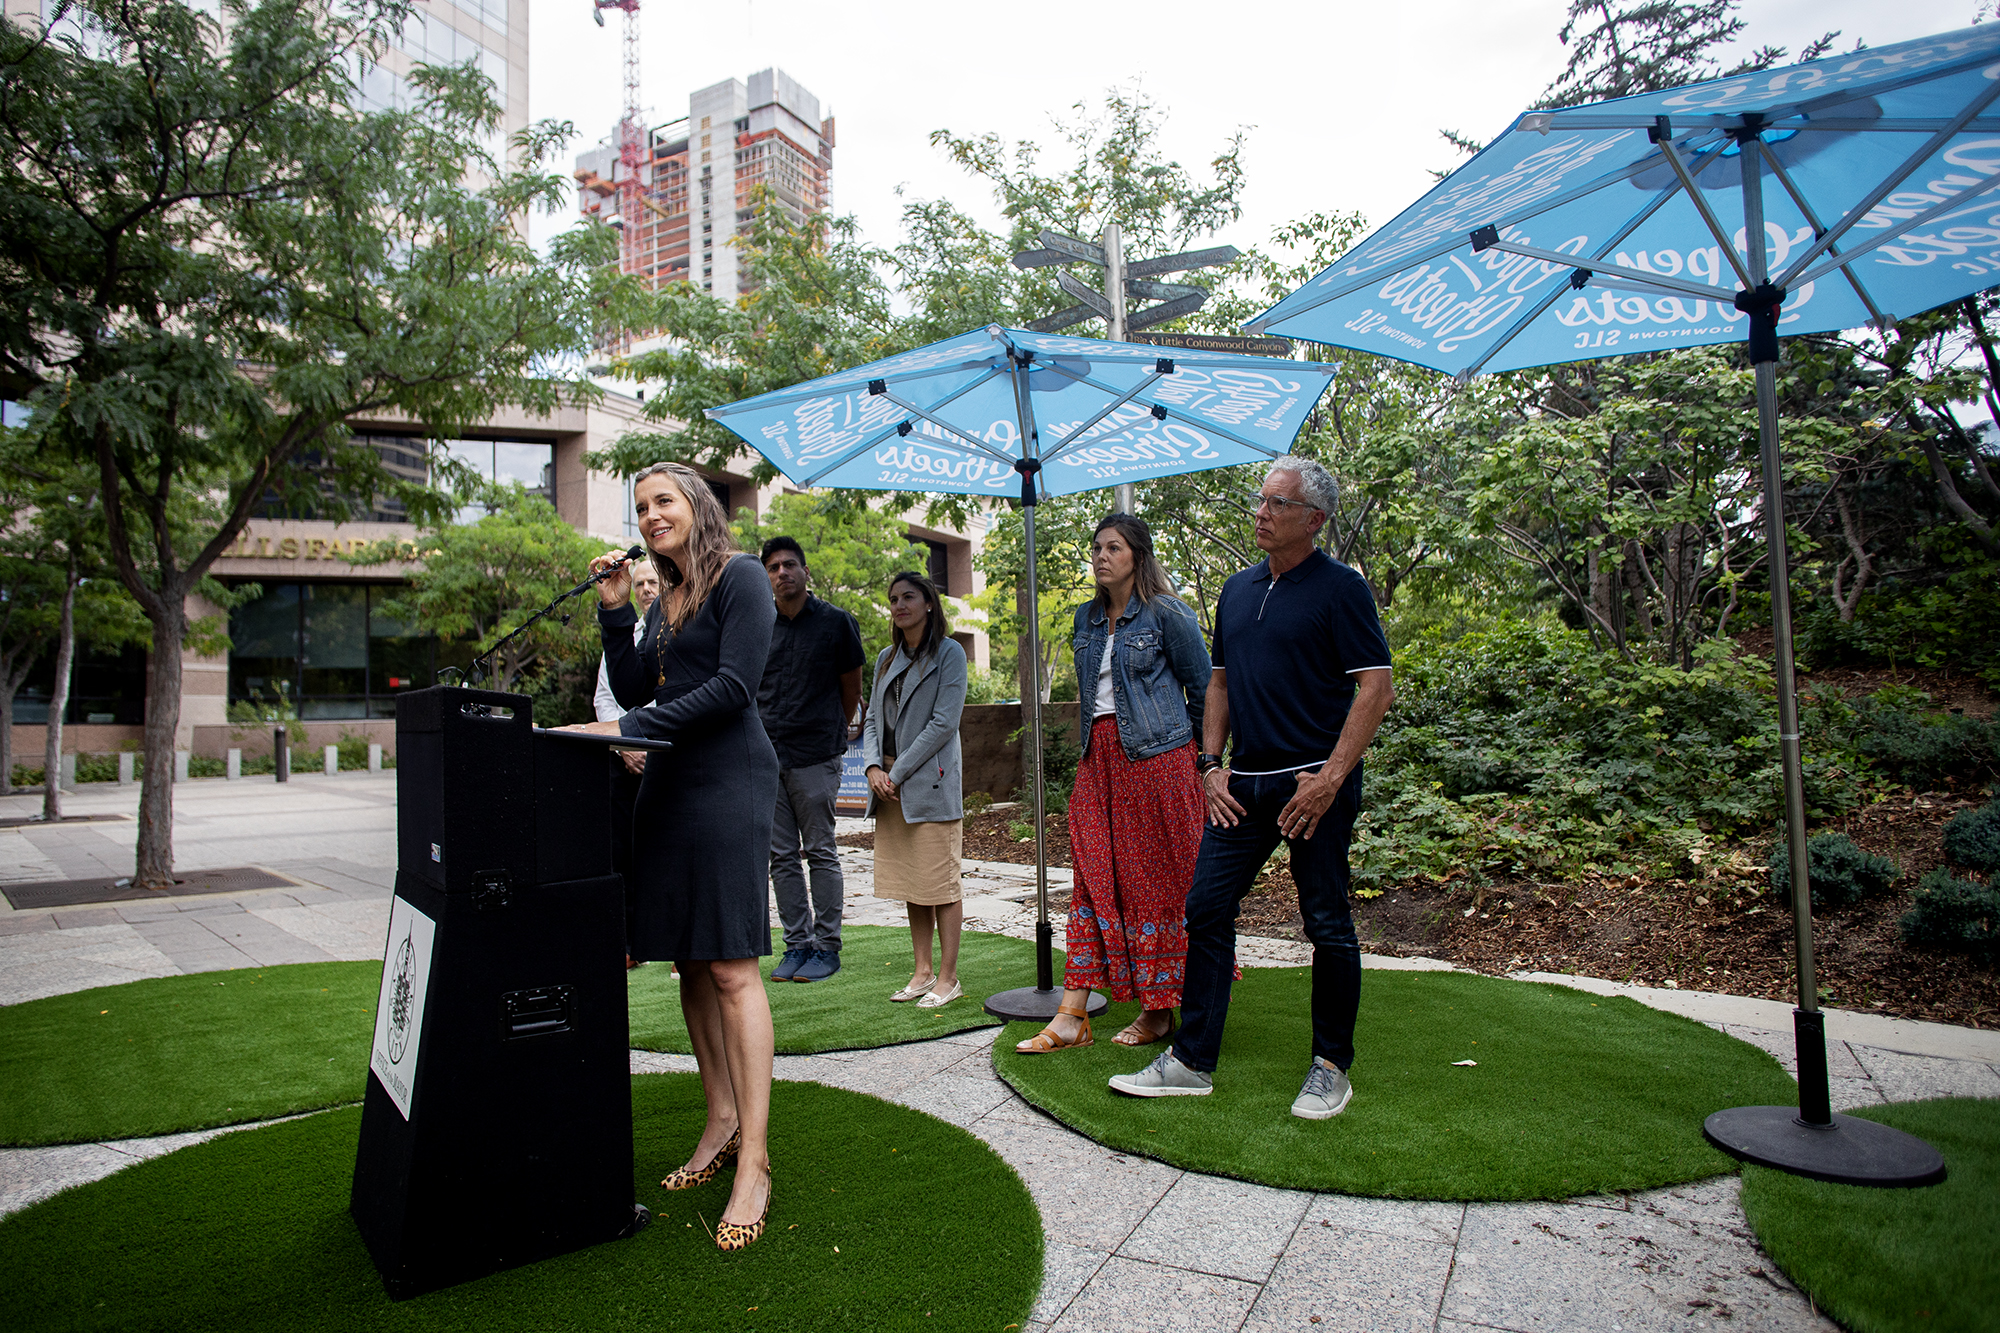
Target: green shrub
[
  {"x": 258, "y": 764},
  {"x": 1060, "y": 756},
  {"x": 1953, "y": 625},
  {"x": 27, "y": 777},
  {"x": 353, "y": 749},
  {"x": 1951, "y": 913},
  {"x": 96, "y": 768},
  {"x": 1972, "y": 838},
  {"x": 1923, "y": 749},
  {"x": 200, "y": 767},
  {"x": 1840, "y": 873}
]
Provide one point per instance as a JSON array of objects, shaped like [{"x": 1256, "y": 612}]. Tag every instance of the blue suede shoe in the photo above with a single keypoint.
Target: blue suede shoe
[
  {"x": 819, "y": 965},
  {"x": 789, "y": 965}
]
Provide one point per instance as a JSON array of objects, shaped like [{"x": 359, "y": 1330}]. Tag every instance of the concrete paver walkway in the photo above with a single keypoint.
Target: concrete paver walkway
[{"x": 1132, "y": 1243}]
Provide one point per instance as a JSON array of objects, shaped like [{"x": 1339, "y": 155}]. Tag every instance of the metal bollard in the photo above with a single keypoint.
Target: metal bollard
[
  {"x": 374, "y": 758},
  {"x": 124, "y": 768},
  {"x": 331, "y": 760},
  {"x": 281, "y": 755},
  {"x": 235, "y": 769}
]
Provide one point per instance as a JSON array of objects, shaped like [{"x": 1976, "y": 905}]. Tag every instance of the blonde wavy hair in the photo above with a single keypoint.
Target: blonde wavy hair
[{"x": 710, "y": 546}]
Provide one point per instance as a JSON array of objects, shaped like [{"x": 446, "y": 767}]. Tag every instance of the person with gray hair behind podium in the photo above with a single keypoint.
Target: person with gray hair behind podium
[{"x": 632, "y": 763}]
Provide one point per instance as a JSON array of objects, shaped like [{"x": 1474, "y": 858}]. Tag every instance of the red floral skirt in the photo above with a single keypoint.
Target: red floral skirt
[{"x": 1134, "y": 831}]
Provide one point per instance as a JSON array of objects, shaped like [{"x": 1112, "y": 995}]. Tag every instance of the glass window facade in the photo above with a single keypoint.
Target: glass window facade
[
  {"x": 338, "y": 654},
  {"x": 103, "y": 687},
  {"x": 504, "y": 461}
]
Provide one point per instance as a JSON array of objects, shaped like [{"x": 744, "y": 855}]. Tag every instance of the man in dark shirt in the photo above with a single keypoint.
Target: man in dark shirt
[
  {"x": 812, "y": 681},
  {"x": 1301, "y": 681}
]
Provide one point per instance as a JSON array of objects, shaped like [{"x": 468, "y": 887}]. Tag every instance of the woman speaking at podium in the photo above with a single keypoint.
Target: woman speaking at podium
[{"x": 702, "y": 823}]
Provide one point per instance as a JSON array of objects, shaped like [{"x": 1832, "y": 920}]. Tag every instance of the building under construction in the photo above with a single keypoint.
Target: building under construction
[{"x": 692, "y": 191}]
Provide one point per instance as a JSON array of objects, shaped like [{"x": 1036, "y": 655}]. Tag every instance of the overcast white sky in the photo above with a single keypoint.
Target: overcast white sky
[{"x": 1341, "y": 100}]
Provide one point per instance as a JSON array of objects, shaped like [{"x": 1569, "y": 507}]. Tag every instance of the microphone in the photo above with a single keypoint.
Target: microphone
[{"x": 637, "y": 552}]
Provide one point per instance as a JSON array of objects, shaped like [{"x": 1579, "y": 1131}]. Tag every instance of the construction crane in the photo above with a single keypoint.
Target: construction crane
[{"x": 632, "y": 154}]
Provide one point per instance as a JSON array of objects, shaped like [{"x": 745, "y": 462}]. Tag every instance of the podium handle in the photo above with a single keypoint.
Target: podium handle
[{"x": 607, "y": 742}]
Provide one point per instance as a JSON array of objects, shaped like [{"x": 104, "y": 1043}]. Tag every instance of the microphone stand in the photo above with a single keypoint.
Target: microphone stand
[{"x": 482, "y": 665}]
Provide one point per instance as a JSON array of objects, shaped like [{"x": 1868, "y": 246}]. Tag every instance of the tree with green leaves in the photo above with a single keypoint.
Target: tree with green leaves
[
  {"x": 56, "y": 590},
  {"x": 852, "y": 549},
  {"x": 1642, "y": 46},
  {"x": 478, "y": 582},
  {"x": 211, "y": 258}
]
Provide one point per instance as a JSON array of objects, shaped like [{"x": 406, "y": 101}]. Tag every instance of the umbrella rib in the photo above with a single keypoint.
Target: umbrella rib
[
  {"x": 1632, "y": 224},
  {"x": 1812, "y": 217},
  {"x": 1700, "y": 203},
  {"x": 1075, "y": 437},
  {"x": 1444, "y": 248},
  {"x": 1616, "y": 272},
  {"x": 1199, "y": 424},
  {"x": 1887, "y": 184},
  {"x": 1894, "y": 233},
  {"x": 762, "y": 402},
  {"x": 978, "y": 444}
]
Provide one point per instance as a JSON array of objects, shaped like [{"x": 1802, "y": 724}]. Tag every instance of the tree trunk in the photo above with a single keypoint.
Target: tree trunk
[
  {"x": 154, "y": 858},
  {"x": 59, "y": 701}
]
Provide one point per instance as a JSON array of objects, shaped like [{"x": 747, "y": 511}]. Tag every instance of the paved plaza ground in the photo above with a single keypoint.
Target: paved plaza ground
[{"x": 1132, "y": 1243}]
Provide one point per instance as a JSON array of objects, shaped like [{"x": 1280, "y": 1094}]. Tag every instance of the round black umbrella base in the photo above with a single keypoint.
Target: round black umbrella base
[
  {"x": 1028, "y": 1005},
  {"x": 1851, "y": 1151}
]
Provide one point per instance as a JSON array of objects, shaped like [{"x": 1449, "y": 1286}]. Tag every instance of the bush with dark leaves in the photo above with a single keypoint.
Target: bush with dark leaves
[
  {"x": 1972, "y": 838},
  {"x": 1840, "y": 873},
  {"x": 1953, "y": 913}
]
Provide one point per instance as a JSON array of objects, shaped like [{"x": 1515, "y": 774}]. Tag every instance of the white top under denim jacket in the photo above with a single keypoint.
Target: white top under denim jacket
[{"x": 1159, "y": 671}]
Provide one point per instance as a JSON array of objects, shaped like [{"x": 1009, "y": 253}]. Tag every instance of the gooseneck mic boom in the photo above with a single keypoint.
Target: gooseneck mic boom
[{"x": 483, "y": 663}]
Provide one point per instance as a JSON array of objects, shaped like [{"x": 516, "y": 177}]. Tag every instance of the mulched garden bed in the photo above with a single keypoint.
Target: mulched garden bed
[{"x": 1727, "y": 934}]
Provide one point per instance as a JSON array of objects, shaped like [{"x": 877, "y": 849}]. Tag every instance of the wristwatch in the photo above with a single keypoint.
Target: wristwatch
[{"x": 1207, "y": 763}]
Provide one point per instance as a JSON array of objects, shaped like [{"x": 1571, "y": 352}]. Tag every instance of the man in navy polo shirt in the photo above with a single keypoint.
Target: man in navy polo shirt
[{"x": 1301, "y": 682}]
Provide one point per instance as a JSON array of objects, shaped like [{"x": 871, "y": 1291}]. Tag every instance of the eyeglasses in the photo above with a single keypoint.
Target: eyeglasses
[{"x": 1280, "y": 504}]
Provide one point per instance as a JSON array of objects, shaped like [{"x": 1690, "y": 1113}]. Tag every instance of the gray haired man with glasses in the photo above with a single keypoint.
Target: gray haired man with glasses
[{"x": 1300, "y": 684}]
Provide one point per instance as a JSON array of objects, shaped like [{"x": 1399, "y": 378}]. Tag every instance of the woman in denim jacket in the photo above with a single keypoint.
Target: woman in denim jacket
[{"x": 1136, "y": 814}]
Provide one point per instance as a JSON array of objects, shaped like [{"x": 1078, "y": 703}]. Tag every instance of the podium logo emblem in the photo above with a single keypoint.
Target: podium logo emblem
[
  {"x": 399, "y": 1002},
  {"x": 399, "y": 1005}
]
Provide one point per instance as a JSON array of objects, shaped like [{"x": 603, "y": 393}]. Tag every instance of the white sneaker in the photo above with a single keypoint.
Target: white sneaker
[
  {"x": 1325, "y": 1095},
  {"x": 1165, "y": 1077}
]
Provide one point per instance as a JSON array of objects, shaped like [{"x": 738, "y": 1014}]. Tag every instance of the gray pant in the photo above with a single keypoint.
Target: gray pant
[{"x": 805, "y": 818}]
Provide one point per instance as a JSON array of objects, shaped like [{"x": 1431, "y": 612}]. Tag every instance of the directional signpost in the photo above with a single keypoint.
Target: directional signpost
[{"x": 1123, "y": 283}]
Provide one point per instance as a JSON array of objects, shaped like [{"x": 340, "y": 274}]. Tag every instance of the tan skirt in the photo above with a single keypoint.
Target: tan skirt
[{"x": 917, "y": 863}]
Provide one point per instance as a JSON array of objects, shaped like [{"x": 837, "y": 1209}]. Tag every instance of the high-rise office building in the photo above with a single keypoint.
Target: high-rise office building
[{"x": 698, "y": 186}]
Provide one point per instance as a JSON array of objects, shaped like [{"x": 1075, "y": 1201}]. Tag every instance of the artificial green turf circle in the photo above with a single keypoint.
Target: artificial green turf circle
[
  {"x": 850, "y": 1010},
  {"x": 170, "y": 1054},
  {"x": 1572, "y": 1093},
  {"x": 177, "y": 1053},
  {"x": 1887, "y": 1260},
  {"x": 881, "y": 1218}
]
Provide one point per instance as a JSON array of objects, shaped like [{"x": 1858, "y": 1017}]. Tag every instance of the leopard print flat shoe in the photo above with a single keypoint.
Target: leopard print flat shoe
[{"x": 684, "y": 1179}]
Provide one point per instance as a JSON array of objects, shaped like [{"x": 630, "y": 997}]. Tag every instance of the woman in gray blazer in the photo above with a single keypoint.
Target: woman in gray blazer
[{"x": 910, "y": 745}]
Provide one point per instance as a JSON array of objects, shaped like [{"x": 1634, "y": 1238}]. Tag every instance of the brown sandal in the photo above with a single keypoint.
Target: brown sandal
[
  {"x": 1134, "y": 1035},
  {"x": 1046, "y": 1040}
]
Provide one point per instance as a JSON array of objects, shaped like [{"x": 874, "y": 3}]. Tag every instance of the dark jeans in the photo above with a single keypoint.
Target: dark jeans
[{"x": 1228, "y": 864}]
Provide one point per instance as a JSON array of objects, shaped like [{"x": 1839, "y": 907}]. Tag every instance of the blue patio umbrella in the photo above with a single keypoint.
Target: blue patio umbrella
[
  {"x": 1001, "y": 412},
  {"x": 1816, "y": 197}
]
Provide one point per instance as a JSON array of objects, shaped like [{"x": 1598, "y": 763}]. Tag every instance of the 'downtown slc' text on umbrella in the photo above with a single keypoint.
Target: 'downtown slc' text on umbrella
[
  {"x": 1002, "y": 412},
  {"x": 1818, "y": 197}
]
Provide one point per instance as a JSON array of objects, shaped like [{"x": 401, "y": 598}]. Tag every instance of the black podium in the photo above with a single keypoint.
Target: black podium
[{"x": 497, "y": 1125}]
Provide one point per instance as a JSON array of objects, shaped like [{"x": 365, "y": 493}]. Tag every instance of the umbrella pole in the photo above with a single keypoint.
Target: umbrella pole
[
  {"x": 1038, "y": 1004},
  {"x": 1814, "y": 1142}
]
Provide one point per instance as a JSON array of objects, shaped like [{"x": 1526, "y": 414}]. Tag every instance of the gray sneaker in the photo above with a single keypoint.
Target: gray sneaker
[
  {"x": 1325, "y": 1095},
  {"x": 1165, "y": 1077}
]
